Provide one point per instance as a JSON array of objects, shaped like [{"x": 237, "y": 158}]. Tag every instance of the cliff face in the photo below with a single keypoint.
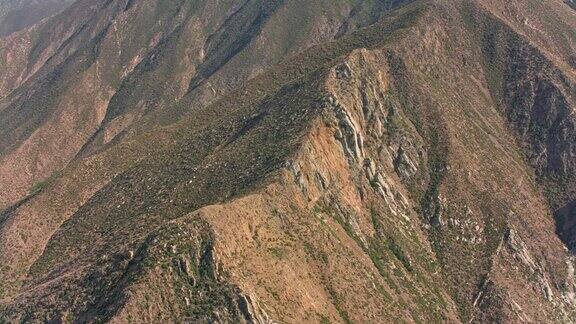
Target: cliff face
[{"x": 409, "y": 161}]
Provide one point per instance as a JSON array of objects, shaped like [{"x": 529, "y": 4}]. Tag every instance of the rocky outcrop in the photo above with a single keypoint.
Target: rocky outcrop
[
  {"x": 372, "y": 177},
  {"x": 175, "y": 268}
]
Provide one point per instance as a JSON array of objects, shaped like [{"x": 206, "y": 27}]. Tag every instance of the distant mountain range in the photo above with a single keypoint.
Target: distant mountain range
[{"x": 19, "y": 14}]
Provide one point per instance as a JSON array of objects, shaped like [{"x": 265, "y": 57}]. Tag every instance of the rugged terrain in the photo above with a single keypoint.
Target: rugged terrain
[
  {"x": 290, "y": 161},
  {"x": 16, "y": 15}
]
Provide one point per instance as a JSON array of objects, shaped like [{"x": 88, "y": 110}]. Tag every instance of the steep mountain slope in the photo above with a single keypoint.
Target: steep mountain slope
[
  {"x": 405, "y": 162},
  {"x": 537, "y": 96},
  {"x": 96, "y": 47},
  {"x": 16, "y": 15}
]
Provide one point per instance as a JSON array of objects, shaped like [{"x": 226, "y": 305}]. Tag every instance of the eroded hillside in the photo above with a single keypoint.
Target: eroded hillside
[{"x": 405, "y": 162}]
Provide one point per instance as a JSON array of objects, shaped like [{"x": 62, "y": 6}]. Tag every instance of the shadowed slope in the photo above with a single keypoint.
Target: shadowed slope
[{"x": 402, "y": 171}]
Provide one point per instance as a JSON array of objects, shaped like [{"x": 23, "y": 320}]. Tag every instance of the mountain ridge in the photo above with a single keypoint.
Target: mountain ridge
[{"x": 384, "y": 174}]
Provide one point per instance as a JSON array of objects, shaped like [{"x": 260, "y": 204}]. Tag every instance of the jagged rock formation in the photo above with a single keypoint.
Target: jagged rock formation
[{"x": 393, "y": 160}]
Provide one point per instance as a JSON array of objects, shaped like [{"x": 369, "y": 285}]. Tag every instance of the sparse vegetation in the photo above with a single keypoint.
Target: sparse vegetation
[
  {"x": 277, "y": 252},
  {"x": 217, "y": 186},
  {"x": 39, "y": 186}
]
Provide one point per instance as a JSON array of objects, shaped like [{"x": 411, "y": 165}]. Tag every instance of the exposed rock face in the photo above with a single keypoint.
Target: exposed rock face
[
  {"x": 179, "y": 256},
  {"x": 395, "y": 160},
  {"x": 538, "y": 101}
]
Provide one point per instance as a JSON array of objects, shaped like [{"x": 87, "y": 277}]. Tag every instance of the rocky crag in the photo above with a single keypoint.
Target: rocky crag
[{"x": 390, "y": 160}]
